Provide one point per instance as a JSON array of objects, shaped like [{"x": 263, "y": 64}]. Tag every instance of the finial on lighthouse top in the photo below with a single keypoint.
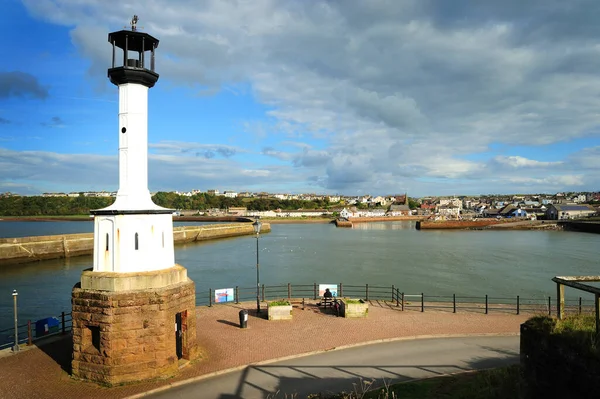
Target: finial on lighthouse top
[{"x": 134, "y": 22}]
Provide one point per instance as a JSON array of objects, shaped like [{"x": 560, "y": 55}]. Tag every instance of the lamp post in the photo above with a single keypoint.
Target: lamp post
[
  {"x": 257, "y": 225},
  {"x": 16, "y": 347}
]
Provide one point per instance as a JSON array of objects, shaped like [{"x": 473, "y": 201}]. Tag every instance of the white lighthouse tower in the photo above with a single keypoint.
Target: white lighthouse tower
[
  {"x": 134, "y": 311},
  {"x": 133, "y": 234}
]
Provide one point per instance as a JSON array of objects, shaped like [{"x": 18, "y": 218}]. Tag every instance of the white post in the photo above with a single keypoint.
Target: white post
[{"x": 16, "y": 347}]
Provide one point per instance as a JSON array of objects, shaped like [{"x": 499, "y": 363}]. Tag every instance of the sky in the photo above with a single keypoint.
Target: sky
[{"x": 353, "y": 97}]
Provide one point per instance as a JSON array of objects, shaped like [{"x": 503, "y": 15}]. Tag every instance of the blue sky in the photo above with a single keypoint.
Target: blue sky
[{"x": 351, "y": 97}]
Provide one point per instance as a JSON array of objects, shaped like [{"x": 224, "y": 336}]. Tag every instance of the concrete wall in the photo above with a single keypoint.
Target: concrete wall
[{"x": 30, "y": 249}]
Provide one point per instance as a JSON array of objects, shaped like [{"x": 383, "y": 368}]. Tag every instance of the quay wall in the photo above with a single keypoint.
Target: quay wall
[
  {"x": 584, "y": 226},
  {"x": 386, "y": 219},
  {"x": 351, "y": 221},
  {"x": 30, "y": 249},
  {"x": 457, "y": 224}
]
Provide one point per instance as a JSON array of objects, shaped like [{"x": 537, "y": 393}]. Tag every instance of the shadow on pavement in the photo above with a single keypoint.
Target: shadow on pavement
[
  {"x": 302, "y": 381},
  {"x": 299, "y": 381},
  {"x": 59, "y": 349},
  {"x": 229, "y": 323}
]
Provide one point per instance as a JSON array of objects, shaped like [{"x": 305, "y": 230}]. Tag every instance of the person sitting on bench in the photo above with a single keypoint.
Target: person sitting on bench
[{"x": 327, "y": 296}]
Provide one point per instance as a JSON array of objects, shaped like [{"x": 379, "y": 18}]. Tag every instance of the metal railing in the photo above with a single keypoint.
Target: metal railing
[
  {"x": 393, "y": 297},
  {"x": 28, "y": 335},
  {"x": 390, "y": 296}
]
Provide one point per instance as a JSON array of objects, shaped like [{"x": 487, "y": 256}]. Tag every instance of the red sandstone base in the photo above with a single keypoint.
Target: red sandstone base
[{"x": 128, "y": 336}]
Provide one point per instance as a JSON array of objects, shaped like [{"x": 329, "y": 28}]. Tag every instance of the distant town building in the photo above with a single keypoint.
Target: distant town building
[{"x": 563, "y": 212}]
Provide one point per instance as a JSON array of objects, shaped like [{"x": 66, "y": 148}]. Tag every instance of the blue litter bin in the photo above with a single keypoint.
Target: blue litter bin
[{"x": 49, "y": 325}]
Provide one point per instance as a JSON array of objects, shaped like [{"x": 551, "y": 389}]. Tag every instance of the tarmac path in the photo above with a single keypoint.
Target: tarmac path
[{"x": 343, "y": 370}]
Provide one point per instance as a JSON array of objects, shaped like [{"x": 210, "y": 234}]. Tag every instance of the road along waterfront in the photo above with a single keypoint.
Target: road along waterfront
[{"x": 465, "y": 263}]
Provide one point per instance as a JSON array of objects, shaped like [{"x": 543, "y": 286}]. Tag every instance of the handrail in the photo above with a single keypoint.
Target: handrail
[
  {"x": 25, "y": 334},
  {"x": 392, "y": 295}
]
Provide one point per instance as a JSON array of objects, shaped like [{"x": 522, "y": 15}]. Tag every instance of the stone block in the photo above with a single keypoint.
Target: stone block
[
  {"x": 353, "y": 308},
  {"x": 279, "y": 312}
]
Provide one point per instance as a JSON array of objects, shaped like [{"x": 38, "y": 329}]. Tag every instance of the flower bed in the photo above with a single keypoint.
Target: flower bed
[{"x": 279, "y": 310}]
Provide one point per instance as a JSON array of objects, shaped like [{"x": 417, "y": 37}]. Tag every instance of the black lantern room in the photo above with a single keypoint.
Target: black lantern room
[{"x": 133, "y": 70}]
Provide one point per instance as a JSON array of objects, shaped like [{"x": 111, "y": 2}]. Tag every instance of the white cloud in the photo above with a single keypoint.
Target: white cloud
[
  {"x": 521, "y": 162},
  {"x": 397, "y": 92}
]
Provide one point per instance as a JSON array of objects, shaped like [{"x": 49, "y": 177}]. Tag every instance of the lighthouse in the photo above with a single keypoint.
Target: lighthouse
[
  {"x": 134, "y": 311},
  {"x": 133, "y": 234}
]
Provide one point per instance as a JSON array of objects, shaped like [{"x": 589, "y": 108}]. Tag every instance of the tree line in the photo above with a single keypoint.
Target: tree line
[
  {"x": 51, "y": 206},
  {"x": 81, "y": 205},
  {"x": 204, "y": 201}
]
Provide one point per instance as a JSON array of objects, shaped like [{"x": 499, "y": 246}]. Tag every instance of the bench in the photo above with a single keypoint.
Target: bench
[
  {"x": 327, "y": 302},
  {"x": 331, "y": 302}
]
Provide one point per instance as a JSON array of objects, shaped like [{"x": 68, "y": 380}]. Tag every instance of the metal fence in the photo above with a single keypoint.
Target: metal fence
[
  {"x": 390, "y": 296},
  {"x": 30, "y": 332},
  {"x": 393, "y": 297}
]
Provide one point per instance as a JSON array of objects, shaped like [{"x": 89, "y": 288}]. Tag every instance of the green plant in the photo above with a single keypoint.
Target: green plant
[
  {"x": 282, "y": 302},
  {"x": 578, "y": 330},
  {"x": 353, "y": 301}
]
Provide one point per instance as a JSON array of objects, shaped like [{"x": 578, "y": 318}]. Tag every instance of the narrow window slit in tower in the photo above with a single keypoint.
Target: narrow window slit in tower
[
  {"x": 163, "y": 239},
  {"x": 107, "y": 241},
  {"x": 93, "y": 337},
  {"x": 136, "y": 242}
]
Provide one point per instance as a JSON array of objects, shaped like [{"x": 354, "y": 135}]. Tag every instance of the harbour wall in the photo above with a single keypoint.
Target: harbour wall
[
  {"x": 351, "y": 221},
  {"x": 30, "y": 249},
  {"x": 458, "y": 224},
  {"x": 584, "y": 226}
]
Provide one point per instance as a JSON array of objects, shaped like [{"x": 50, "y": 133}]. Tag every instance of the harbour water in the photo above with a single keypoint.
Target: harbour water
[{"x": 465, "y": 263}]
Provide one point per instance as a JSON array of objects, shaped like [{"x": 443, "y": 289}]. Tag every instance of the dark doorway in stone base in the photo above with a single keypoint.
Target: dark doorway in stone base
[
  {"x": 181, "y": 344},
  {"x": 178, "y": 336}
]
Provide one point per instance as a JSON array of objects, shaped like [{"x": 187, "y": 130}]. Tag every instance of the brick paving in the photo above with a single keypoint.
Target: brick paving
[{"x": 44, "y": 372}]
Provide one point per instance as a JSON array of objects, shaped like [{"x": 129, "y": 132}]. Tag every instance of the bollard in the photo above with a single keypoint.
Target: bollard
[
  {"x": 209, "y": 297},
  {"x": 518, "y": 306},
  {"x": 289, "y": 290},
  {"x": 486, "y": 304},
  {"x": 453, "y": 303},
  {"x": 579, "y": 305},
  {"x": 315, "y": 292},
  {"x": 243, "y": 318},
  {"x": 422, "y": 302}
]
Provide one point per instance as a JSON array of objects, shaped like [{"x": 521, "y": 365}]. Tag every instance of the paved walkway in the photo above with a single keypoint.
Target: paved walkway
[{"x": 43, "y": 372}]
